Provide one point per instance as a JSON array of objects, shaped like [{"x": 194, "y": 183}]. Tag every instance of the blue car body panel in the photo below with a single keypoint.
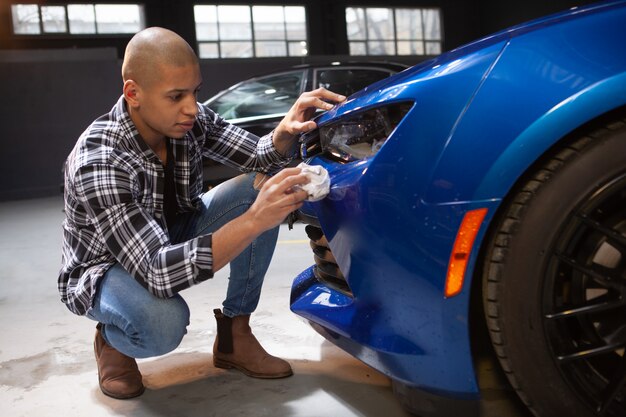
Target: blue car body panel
[{"x": 481, "y": 116}]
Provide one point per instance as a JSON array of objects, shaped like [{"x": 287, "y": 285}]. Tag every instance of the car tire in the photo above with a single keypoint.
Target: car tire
[{"x": 554, "y": 279}]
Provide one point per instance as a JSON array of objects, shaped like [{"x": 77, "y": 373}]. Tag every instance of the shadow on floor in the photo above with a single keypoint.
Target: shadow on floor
[{"x": 187, "y": 384}]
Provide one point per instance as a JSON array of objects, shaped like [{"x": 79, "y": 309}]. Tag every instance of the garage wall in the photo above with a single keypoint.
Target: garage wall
[
  {"x": 48, "y": 98},
  {"x": 326, "y": 19}
]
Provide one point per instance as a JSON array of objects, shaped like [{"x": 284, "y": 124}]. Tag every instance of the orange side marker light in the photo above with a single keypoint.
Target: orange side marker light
[{"x": 462, "y": 249}]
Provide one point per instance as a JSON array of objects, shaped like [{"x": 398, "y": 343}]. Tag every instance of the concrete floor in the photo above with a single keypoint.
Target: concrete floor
[{"x": 46, "y": 357}]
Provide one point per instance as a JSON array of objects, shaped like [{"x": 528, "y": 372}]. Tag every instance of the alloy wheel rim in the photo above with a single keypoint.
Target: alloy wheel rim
[{"x": 584, "y": 300}]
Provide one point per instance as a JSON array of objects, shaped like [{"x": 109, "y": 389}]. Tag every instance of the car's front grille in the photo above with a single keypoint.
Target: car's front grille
[{"x": 326, "y": 269}]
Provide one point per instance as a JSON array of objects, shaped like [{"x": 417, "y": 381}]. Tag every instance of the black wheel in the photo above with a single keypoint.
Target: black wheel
[{"x": 554, "y": 282}]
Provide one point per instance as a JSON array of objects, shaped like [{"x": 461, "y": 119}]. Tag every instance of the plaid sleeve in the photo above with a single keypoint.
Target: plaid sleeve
[
  {"x": 234, "y": 146},
  {"x": 134, "y": 238}
]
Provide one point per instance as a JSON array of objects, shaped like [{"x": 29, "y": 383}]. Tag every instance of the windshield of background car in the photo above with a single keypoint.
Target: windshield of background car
[
  {"x": 260, "y": 96},
  {"x": 348, "y": 81}
]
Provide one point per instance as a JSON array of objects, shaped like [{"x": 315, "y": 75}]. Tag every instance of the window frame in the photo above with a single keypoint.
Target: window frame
[
  {"x": 68, "y": 34},
  {"x": 253, "y": 38},
  {"x": 396, "y": 40}
]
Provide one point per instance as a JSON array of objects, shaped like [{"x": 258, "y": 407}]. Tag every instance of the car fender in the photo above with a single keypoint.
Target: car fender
[
  {"x": 549, "y": 129},
  {"x": 545, "y": 84}
]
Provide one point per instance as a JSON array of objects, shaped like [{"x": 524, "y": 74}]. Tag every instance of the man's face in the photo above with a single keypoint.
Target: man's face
[{"x": 167, "y": 107}]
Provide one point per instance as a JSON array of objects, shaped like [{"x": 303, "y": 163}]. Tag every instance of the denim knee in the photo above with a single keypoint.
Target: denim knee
[{"x": 163, "y": 328}]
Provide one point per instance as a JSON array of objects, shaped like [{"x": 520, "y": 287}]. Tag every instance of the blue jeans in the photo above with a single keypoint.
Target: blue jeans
[{"x": 140, "y": 325}]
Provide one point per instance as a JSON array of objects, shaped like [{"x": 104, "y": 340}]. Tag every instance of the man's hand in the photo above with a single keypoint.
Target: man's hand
[
  {"x": 298, "y": 119},
  {"x": 277, "y": 198}
]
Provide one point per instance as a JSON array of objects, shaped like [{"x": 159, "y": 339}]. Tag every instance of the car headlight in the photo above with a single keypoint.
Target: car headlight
[{"x": 356, "y": 137}]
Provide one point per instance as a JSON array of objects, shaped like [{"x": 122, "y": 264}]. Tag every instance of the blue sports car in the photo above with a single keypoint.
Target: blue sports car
[{"x": 486, "y": 185}]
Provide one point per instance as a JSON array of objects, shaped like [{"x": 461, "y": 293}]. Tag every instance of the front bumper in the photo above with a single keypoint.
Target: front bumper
[{"x": 394, "y": 317}]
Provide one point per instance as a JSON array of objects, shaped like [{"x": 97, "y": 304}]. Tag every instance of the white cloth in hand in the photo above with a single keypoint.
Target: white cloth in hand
[{"x": 318, "y": 186}]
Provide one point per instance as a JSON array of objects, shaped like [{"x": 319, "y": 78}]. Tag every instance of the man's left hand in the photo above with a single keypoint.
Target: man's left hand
[{"x": 298, "y": 119}]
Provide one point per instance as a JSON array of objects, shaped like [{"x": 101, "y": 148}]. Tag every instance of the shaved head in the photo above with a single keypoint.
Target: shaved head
[{"x": 151, "y": 49}]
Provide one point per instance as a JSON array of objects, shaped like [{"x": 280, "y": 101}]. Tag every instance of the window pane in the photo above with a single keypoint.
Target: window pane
[
  {"x": 298, "y": 49},
  {"x": 234, "y": 22},
  {"x": 119, "y": 18},
  {"x": 236, "y": 49},
  {"x": 409, "y": 24},
  {"x": 379, "y": 23},
  {"x": 278, "y": 30},
  {"x": 208, "y": 50},
  {"x": 53, "y": 18},
  {"x": 432, "y": 26},
  {"x": 263, "y": 96},
  {"x": 433, "y": 48},
  {"x": 392, "y": 31},
  {"x": 25, "y": 19},
  {"x": 206, "y": 22},
  {"x": 271, "y": 48},
  {"x": 296, "y": 22},
  {"x": 355, "y": 23},
  {"x": 269, "y": 22},
  {"x": 381, "y": 48},
  {"x": 358, "y": 48},
  {"x": 410, "y": 48},
  {"x": 82, "y": 18}
]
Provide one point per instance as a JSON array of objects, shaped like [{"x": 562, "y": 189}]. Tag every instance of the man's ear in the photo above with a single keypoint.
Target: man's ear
[{"x": 131, "y": 93}]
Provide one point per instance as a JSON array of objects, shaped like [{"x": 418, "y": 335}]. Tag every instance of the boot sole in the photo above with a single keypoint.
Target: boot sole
[
  {"x": 219, "y": 363},
  {"x": 122, "y": 397}
]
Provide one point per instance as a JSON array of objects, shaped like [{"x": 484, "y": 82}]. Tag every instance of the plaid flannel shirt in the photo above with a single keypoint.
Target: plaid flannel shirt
[{"x": 114, "y": 203}]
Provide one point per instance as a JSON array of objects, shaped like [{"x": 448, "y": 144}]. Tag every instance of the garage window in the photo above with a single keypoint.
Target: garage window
[
  {"x": 225, "y": 31},
  {"x": 394, "y": 31},
  {"x": 77, "y": 19}
]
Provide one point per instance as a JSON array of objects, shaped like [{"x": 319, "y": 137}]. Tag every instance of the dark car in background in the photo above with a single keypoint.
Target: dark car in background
[{"x": 258, "y": 104}]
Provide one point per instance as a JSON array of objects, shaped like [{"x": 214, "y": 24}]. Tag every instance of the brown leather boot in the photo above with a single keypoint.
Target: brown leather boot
[
  {"x": 118, "y": 374},
  {"x": 236, "y": 347}
]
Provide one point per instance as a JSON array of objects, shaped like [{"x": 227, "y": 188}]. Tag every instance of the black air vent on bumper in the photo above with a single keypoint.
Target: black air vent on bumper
[{"x": 326, "y": 269}]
